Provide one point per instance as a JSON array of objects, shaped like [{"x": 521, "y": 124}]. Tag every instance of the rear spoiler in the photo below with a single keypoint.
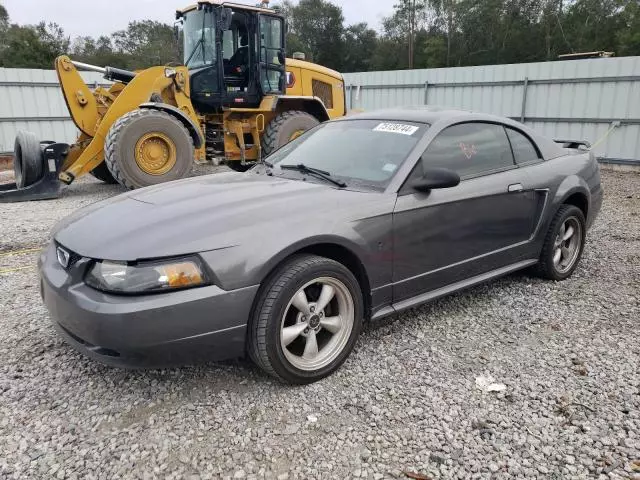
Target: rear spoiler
[{"x": 573, "y": 143}]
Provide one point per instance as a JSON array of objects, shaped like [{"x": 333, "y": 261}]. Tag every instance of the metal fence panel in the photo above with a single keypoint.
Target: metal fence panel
[
  {"x": 31, "y": 99},
  {"x": 573, "y": 99},
  {"x": 570, "y": 99}
]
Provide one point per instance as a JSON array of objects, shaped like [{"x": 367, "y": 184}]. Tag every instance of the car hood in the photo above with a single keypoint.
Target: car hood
[{"x": 204, "y": 213}]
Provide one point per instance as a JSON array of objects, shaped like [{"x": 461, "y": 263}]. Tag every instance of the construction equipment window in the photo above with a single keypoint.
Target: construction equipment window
[
  {"x": 199, "y": 39},
  {"x": 271, "y": 51},
  {"x": 228, "y": 44}
]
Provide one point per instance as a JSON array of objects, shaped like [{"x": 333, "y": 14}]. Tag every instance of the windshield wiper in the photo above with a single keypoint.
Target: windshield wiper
[
  {"x": 301, "y": 167},
  {"x": 199, "y": 43}
]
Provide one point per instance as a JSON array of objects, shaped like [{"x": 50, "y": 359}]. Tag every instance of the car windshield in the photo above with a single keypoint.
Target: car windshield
[{"x": 362, "y": 152}]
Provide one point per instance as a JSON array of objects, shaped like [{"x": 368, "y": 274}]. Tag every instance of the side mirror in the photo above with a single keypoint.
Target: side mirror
[{"x": 436, "y": 178}]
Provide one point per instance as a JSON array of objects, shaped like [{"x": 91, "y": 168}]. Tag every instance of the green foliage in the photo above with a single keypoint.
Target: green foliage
[
  {"x": 147, "y": 43},
  {"x": 318, "y": 25},
  {"x": 32, "y": 46},
  {"x": 425, "y": 33},
  {"x": 4, "y": 18},
  {"x": 140, "y": 45}
]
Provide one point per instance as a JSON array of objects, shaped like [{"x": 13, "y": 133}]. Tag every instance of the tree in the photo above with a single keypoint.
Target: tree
[
  {"x": 4, "y": 18},
  {"x": 4, "y": 26},
  {"x": 629, "y": 34},
  {"x": 417, "y": 33},
  {"x": 360, "y": 43},
  {"x": 99, "y": 52},
  {"x": 147, "y": 43},
  {"x": 33, "y": 46},
  {"x": 318, "y": 26}
]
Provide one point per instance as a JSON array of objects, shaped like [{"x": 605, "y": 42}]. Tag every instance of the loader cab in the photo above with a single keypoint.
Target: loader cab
[{"x": 235, "y": 55}]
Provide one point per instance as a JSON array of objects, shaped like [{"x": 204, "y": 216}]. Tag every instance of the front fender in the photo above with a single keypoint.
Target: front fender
[{"x": 246, "y": 265}]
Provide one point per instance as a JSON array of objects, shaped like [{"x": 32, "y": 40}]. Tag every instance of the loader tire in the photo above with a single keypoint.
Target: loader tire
[
  {"x": 147, "y": 147},
  {"x": 27, "y": 161},
  {"x": 237, "y": 166},
  {"x": 285, "y": 127},
  {"x": 101, "y": 172}
]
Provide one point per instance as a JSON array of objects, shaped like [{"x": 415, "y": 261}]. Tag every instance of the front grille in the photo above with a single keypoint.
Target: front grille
[
  {"x": 73, "y": 256},
  {"x": 323, "y": 91}
]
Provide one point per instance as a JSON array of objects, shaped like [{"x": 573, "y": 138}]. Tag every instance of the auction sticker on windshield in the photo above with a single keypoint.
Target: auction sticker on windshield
[{"x": 401, "y": 128}]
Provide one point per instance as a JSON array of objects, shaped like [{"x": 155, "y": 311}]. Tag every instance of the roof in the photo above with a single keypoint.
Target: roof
[
  {"x": 222, "y": 3},
  {"x": 420, "y": 113},
  {"x": 441, "y": 117}
]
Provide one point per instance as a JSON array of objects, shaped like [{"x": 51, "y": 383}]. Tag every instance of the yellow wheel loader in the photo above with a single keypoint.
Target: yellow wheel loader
[{"x": 236, "y": 97}]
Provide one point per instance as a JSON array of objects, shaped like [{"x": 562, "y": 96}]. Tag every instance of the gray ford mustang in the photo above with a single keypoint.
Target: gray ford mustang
[{"x": 356, "y": 219}]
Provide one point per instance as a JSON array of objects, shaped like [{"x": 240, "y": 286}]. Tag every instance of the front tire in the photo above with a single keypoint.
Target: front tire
[
  {"x": 563, "y": 244},
  {"x": 237, "y": 166},
  {"x": 146, "y": 147},
  {"x": 307, "y": 320},
  {"x": 102, "y": 173},
  {"x": 284, "y": 127}
]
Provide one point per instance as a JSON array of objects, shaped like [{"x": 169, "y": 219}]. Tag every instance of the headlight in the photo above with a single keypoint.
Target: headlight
[{"x": 119, "y": 277}]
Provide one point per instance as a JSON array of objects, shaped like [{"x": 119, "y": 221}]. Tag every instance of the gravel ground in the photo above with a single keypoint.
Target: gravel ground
[{"x": 405, "y": 400}]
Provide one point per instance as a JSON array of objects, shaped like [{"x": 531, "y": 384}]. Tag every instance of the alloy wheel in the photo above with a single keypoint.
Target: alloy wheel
[
  {"x": 566, "y": 247},
  {"x": 317, "y": 323}
]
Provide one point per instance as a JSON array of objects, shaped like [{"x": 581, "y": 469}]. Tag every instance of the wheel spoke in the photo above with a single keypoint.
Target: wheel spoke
[
  {"x": 332, "y": 324},
  {"x": 301, "y": 303},
  {"x": 566, "y": 253},
  {"x": 326, "y": 295},
  {"x": 557, "y": 256},
  {"x": 568, "y": 234},
  {"x": 289, "y": 334},
  {"x": 311, "y": 348}
]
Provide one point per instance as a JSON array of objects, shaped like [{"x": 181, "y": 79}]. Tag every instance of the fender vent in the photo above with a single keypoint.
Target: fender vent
[{"x": 323, "y": 91}]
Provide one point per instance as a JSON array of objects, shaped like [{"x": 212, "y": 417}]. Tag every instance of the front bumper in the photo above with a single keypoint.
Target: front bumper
[{"x": 174, "y": 328}]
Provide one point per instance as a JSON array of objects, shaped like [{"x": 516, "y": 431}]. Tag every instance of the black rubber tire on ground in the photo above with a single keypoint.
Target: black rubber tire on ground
[
  {"x": 127, "y": 130},
  {"x": 546, "y": 267},
  {"x": 263, "y": 337},
  {"x": 236, "y": 166},
  {"x": 101, "y": 172},
  {"x": 283, "y": 126},
  {"x": 27, "y": 160}
]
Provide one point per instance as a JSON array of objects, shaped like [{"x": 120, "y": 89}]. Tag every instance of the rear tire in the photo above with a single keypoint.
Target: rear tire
[
  {"x": 285, "y": 127},
  {"x": 101, "y": 172},
  {"x": 298, "y": 347},
  {"x": 127, "y": 149},
  {"x": 563, "y": 244},
  {"x": 27, "y": 160}
]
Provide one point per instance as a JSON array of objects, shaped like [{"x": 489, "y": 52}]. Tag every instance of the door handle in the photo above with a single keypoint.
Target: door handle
[{"x": 515, "y": 187}]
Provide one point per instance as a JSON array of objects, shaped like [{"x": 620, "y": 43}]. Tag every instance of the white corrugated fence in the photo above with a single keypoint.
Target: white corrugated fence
[
  {"x": 577, "y": 99},
  {"x": 31, "y": 100},
  {"x": 597, "y": 100}
]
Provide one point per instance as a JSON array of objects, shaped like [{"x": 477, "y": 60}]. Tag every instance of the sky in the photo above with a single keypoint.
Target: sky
[{"x": 97, "y": 17}]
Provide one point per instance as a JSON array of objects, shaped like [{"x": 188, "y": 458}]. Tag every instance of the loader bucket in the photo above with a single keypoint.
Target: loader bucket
[{"x": 36, "y": 166}]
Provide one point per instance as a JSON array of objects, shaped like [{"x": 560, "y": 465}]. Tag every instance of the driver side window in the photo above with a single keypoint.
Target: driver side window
[
  {"x": 228, "y": 44},
  {"x": 470, "y": 149}
]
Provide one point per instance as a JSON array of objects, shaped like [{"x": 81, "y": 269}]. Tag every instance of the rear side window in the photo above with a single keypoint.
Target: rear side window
[
  {"x": 523, "y": 150},
  {"x": 470, "y": 149}
]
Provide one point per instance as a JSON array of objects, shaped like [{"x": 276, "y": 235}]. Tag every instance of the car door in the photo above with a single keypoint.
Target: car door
[{"x": 447, "y": 235}]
